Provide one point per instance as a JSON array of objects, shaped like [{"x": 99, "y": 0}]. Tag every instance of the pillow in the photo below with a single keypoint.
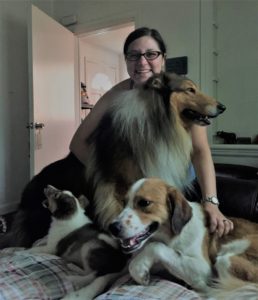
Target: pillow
[
  {"x": 43, "y": 276},
  {"x": 32, "y": 276},
  {"x": 127, "y": 289}
]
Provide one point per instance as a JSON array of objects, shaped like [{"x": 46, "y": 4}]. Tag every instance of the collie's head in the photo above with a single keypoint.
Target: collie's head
[
  {"x": 188, "y": 102},
  {"x": 152, "y": 206},
  {"x": 63, "y": 204}
]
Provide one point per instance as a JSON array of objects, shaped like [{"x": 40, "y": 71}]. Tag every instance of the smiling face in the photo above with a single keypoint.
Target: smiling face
[
  {"x": 145, "y": 211},
  {"x": 142, "y": 69},
  {"x": 152, "y": 207}
]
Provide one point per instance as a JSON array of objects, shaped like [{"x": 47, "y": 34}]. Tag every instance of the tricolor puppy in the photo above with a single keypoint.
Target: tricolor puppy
[
  {"x": 219, "y": 267},
  {"x": 73, "y": 236}
]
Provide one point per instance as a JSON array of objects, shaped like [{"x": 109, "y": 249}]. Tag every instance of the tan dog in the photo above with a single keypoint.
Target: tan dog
[{"x": 184, "y": 247}]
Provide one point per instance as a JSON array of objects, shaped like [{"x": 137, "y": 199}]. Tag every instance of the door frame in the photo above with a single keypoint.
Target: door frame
[{"x": 91, "y": 28}]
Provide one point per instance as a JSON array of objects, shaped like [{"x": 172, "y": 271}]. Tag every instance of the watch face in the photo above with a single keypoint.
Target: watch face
[{"x": 214, "y": 200}]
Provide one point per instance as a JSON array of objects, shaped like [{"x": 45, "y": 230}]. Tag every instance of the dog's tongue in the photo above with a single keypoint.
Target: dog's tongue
[
  {"x": 129, "y": 242},
  {"x": 135, "y": 240}
]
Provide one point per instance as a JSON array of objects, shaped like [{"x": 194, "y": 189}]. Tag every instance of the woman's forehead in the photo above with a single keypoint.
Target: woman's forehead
[{"x": 144, "y": 43}]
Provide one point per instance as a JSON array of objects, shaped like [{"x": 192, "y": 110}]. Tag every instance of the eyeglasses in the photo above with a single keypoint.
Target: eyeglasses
[{"x": 149, "y": 55}]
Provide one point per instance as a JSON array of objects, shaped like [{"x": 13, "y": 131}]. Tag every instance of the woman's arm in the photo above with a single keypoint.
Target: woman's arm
[
  {"x": 205, "y": 172},
  {"x": 78, "y": 145}
]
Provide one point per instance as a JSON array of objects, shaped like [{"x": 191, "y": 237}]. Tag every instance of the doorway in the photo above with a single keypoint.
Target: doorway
[
  {"x": 101, "y": 63},
  {"x": 59, "y": 70}
]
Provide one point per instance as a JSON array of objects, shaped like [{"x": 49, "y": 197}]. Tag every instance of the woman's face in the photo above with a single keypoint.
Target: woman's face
[{"x": 142, "y": 69}]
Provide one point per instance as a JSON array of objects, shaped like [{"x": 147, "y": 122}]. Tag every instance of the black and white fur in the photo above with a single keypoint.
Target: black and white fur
[{"x": 73, "y": 236}]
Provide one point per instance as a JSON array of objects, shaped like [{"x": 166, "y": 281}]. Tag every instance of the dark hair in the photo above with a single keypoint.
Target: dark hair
[{"x": 145, "y": 31}]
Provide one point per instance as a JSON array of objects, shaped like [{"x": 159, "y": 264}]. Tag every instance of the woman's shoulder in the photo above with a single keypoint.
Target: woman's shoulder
[
  {"x": 105, "y": 101},
  {"x": 124, "y": 85}
]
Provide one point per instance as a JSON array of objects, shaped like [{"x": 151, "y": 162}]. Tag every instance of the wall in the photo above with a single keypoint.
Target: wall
[
  {"x": 104, "y": 60},
  {"x": 238, "y": 66},
  {"x": 237, "y": 74},
  {"x": 177, "y": 20}
]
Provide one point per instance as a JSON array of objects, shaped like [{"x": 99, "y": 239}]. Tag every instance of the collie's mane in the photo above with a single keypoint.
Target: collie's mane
[{"x": 155, "y": 133}]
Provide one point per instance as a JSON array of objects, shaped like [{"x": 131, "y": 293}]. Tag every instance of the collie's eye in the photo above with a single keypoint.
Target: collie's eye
[
  {"x": 144, "y": 203},
  {"x": 191, "y": 90}
]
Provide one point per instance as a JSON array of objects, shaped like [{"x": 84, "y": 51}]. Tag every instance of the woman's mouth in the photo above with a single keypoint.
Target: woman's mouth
[{"x": 143, "y": 71}]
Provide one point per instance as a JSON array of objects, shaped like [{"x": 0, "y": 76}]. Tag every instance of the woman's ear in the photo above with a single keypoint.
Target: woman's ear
[{"x": 163, "y": 67}]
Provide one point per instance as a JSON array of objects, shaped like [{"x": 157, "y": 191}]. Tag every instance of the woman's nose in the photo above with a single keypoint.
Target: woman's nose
[{"x": 142, "y": 60}]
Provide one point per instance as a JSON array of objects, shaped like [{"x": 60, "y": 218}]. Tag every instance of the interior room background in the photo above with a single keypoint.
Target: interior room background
[{"x": 219, "y": 38}]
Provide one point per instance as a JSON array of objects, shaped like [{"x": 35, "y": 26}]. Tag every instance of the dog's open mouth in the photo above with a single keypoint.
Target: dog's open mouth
[
  {"x": 197, "y": 117},
  {"x": 131, "y": 244}
]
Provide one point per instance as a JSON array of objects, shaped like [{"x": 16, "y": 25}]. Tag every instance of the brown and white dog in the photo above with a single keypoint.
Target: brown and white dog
[
  {"x": 144, "y": 133},
  {"x": 182, "y": 244}
]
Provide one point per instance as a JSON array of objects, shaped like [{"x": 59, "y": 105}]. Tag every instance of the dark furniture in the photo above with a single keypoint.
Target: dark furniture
[
  {"x": 237, "y": 190},
  {"x": 237, "y": 187}
]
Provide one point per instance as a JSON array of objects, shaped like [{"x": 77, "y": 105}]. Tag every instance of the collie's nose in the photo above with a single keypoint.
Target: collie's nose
[
  {"x": 221, "y": 108},
  {"x": 115, "y": 228}
]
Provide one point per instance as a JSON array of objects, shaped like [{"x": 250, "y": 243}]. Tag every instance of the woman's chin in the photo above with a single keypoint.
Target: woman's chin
[{"x": 141, "y": 79}]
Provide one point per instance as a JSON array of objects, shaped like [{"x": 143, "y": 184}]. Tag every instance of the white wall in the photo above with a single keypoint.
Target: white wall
[
  {"x": 177, "y": 20},
  {"x": 237, "y": 73},
  {"x": 104, "y": 60},
  {"x": 238, "y": 66},
  {"x": 92, "y": 53}
]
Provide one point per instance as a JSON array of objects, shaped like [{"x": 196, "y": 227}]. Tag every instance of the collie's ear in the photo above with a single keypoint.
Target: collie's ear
[
  {"x": 157, "y": 81},
  {"x": 165, "y": 81},
  {"x": 180, "y": 210}
]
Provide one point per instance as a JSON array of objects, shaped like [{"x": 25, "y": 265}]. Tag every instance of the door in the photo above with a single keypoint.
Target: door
[{"x": 52, "y": 90}]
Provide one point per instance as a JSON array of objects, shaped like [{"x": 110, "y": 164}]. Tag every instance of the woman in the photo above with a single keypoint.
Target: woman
[{"x": 145, "y": 53}]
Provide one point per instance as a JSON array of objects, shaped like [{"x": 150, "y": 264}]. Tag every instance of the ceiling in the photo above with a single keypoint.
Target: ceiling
[{"x": 112, "y": 39}]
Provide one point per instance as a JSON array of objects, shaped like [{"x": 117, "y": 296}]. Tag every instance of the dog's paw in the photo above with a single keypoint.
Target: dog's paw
[{"x": 140, "y": 271}]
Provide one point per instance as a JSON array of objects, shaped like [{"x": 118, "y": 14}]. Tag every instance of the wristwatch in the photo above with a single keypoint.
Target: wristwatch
[{"x": 213, "y": 199}]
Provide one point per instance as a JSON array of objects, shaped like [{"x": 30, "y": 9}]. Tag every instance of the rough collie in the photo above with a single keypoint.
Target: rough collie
[
  {"x": 144, "y": 133},
  {"x": 224, "y": 268}
]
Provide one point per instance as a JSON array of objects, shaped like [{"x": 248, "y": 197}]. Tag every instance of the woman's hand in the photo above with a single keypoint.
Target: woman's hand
[{"x": 216, "y": 220}]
